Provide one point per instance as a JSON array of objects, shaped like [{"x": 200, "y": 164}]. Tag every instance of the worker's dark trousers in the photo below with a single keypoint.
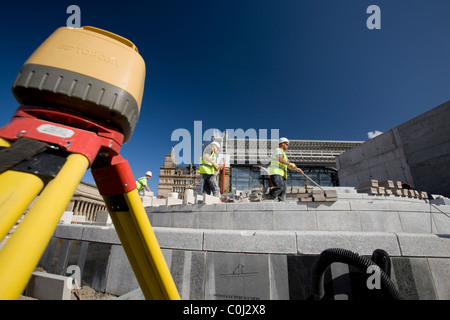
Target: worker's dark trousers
[
  {"x": 279, "y": 188},
  {"x": 210, "y": 185}
]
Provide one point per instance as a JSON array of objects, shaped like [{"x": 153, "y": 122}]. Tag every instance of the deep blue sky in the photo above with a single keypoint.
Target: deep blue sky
[{"x": 311, "y": 69}]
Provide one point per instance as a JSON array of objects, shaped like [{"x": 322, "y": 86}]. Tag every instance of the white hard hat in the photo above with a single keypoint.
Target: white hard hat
[
  {"x": 282, "y": 140},
  {"x": 216, "y": 144},
  {"x": 148, "y": 173}
]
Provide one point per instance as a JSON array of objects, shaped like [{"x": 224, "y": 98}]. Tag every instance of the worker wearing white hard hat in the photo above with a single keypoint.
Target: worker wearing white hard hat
[
  {"x": 207, "y": 166},
  {"x": 141, "y": 183},
  {"x": 278, "y": 170}
]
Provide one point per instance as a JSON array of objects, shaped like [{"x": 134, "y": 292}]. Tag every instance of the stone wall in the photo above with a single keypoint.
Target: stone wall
[
  {"x": 416, "y": 152},
  {"x": 266, "y": 250},
  {"x": 242, "y": 265}
]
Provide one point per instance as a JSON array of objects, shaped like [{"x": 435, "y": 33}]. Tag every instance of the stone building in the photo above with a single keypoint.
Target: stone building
[
  {"x": 173, "y": 178},
  {"x": 86, "y": 201},
  {"x": 247, "y": 164}
]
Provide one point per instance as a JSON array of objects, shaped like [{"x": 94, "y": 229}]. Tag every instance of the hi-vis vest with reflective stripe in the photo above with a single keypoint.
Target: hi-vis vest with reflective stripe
[
  {"x": 140, "y": 183},
  {"x": 276, "y": 167},
  {"x": 206, "y": 167}
]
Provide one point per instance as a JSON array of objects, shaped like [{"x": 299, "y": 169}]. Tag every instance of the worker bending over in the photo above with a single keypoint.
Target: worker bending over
[
  {"x": 141, "y": 183},
  {"x": 278, "y": 171}
]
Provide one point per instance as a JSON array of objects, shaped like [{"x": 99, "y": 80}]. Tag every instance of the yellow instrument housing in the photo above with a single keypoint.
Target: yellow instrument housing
[{"x": 87, "y": 70}]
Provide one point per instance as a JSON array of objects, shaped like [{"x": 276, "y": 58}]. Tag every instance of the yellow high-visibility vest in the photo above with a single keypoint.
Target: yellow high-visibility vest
[
  {"x": 276, "y": 167},
  {"x": 206, "y": 167},
  {"x": 140, "y": 183}
]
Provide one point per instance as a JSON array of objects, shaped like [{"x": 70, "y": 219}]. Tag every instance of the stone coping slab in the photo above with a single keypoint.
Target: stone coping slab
[
  {"x": 343, "y": 215},
  {"x": 275, "y": 242}
]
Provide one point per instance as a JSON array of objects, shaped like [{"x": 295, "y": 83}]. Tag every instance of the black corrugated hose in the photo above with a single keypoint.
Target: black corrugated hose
[{"x": 380, "y": 258}]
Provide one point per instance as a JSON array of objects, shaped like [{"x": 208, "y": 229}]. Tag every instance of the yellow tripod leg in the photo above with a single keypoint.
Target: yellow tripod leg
[
  {"x": 118, "y": 188},
  {"x": 143, "y": 251},
  {"x": 17, "y": 191},
  {"x": 22, "y": 251},
  {"x": 4, "y": 143}
]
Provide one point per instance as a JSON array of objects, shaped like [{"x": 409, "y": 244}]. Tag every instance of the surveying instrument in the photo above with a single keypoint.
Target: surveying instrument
[{"x": 80, "y": 94}]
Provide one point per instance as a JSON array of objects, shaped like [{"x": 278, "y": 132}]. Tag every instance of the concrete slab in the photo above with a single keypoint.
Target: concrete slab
[
  {"x": 428, "y": 245},
  {"x": 380, "y": 221},
  {"x": 440, "y": 270},
  {"x": 47, "y": 286},
  {"x": 332, "y": 206},
  {"x": 215, "y": 220},
  {"x": 103, "y": 218},
  {"x": 237, "y": 277},
  {"x": 314, "y": 242},
  {"x": 69, "y": 231},
  {"x": 338, "y": 220},
  {"x": 294, "y": 220},
  {"x": 179, "y": 238},
  {"x": 250, "y": 241},
  {"x": 120, "y": 277},
  {"x": 369, "y": 205},
  {"x": 208, "y": 199},
  {"x": 417, "y": 222},
  {"x": 100, "y": 234},
  {"x": 251, "y": 220},
  {"x": 66, "y": 217}
]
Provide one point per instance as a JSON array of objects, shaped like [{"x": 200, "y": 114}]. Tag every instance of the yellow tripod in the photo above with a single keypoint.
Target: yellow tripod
[{"x": 47, "y": 147}]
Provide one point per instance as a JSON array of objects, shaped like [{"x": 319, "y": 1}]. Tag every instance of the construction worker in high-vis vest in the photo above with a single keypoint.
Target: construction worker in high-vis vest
[
  {"x": 278, "y": 171},
  {"x": 207, "y": 166},
  {"x": 141, "y": 183}
]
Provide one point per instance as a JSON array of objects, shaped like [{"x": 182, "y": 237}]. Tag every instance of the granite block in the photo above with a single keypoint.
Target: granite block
[
  {"x": 440, "y": 270},
  {"x": 338, "y": 221},
  {"x": 120, "y": 277},
  {"x": 427, "y": 245},
  {"x": 314, "y": 242},
  {"x": 237, "y": 277},
  {"x": 179, "y": 238},
  {"x": 380, "y": 221},
  {"x": 294, "y": 220},
  {"x": 250, "y": 241}
]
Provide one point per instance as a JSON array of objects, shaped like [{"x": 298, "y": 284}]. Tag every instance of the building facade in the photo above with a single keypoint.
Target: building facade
[
  {"x": 173, "y": 178},
  {"x": 247, "y": 163},
  {"x": 86, "y": 201}
]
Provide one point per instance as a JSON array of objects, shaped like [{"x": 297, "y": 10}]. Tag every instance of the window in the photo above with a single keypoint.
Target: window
[{"x": 245, "y": 177}]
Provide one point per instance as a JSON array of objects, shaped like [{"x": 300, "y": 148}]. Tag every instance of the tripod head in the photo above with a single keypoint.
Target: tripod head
[{"x": 85, "y": 71}]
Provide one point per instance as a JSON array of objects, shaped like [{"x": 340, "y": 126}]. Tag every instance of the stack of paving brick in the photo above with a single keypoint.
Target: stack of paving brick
[
  {"x": 308, "y": 194},
  {"x": 257, "y": 193},
  {"x": 390, "y": 187}
]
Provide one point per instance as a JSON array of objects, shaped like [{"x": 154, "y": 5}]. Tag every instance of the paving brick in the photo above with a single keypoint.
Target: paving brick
[
  {"x": 369, "y": 183},
  {"x": 331, "y": 193},
  {"x": 319, "y": 198},
  {"x": 387, "y": 184}
]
